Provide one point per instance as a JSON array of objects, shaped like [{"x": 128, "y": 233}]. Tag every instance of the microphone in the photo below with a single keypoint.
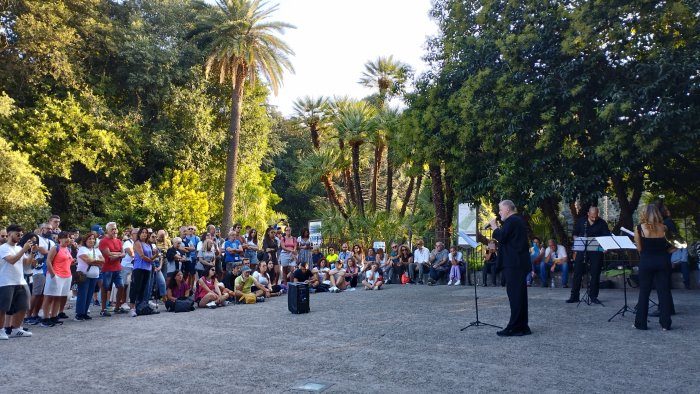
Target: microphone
[{"x": 627, "y": 231}]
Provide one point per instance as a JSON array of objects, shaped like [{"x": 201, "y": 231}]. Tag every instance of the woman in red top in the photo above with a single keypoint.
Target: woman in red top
[
  {"x": 58, "y": 280},
  {"x": 208, "y": 293}
]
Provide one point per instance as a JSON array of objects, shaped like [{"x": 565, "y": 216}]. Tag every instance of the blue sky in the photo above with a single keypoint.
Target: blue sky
[{"x": 334, "y": 39}]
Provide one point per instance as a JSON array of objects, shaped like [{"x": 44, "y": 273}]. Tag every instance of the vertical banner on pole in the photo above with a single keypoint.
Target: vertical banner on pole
[{"x": 466, "y": 225}]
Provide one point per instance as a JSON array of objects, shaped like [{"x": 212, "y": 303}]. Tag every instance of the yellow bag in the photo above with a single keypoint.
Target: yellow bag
[{"x": 249, "y": 298}]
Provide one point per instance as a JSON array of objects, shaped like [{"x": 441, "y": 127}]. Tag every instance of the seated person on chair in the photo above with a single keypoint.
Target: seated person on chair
[
  {"x": 555, "y": 259},
  {"x": 536, "y": 256},
  {"x": 490, "y": 263},
  {"x": 679, "y": 261},
  {"x": 439, "y": 263},
  {"x": 421, "y": 258}
]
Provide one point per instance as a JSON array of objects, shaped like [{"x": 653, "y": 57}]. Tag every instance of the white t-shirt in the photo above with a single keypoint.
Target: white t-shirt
[
  {"x": 264, "y": 280},
  {"x": 11, "y": 274},
  {"x": 372, "y": 277},
  {"x": 127, "y": 261},
  {"x": 421, "y": 255},
  {"x": 46, "y": 244},
  {"x": 560, "y": 253},
  {"x": 95, "y": 254}
]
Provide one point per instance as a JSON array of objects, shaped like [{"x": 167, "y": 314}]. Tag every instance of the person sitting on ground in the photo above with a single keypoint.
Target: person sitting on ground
[
  {"x": 304, "y": 275},
  {"x": 316, "y": 256},
  {"x": 455, "y": 259},
  {"x": 178, "y": 289},
  {"x": 344, "y": 254},
  {"x": 174, "y": 258},
  {"x": 421, "y": 258},
  {"x": 262, "y": 276},
  {"x": 208, "y": 293},
  {"x": 332, "y": 256},
  {"x": 405, "y": 261},
  {"x": 555, "y": 259},
  {"x": 370, "y": 257},
  {"x": 490, "y": 263},
  {"x": 244, "y": 285},
  {"x": 439, "y": 263},
  {"x": 388, "y": 263},
  {"x": 352, "y": 273},
  {"x": 323, "y": 270},
  {"x": 373, "y": 280},
  {"x": 358, "y": 255},
  {"x": 337, "y": 277}
]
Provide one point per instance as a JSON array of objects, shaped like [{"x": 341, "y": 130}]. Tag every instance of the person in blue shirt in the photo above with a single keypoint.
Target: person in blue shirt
[{"x": 232, "y": 250}]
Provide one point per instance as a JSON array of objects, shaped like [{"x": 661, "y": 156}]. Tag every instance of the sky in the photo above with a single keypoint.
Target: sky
[{"x": 333, "y": 40}]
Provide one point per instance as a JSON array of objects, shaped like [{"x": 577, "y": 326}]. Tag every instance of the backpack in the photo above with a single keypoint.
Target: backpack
[
  {"x": 143, "y": 309},
  {"x": 183, "y": 305}
]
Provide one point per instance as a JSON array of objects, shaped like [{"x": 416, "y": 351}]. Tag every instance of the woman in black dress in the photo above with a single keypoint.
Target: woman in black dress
[{"x": 654, "y": 266}]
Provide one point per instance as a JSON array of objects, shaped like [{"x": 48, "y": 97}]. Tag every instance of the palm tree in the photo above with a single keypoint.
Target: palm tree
[
  {"x": 354, "y": 122},
  {"x": 312, "y": 113},
  {"x": 242, "y": 43},
  {"x": 322, "y": 165},
  {"x": 389, "y": 77}
]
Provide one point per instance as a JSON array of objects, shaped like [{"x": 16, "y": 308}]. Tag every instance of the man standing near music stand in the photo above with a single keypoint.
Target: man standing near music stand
[
  {"x": 514, "y": 259},
  {"x": 589, "y": 227}
]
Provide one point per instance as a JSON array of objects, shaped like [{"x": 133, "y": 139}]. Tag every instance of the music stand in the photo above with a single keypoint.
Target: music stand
[
  {"x": 619, "y": 243},
  {"x": 476, "y": 323},
  {"x": 585, "y": 245}
]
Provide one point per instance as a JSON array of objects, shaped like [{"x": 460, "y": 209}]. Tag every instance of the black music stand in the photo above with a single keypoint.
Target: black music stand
[
  {"x": 477, "y": 322},
  {"x": 619, "y": 243},
  {"x": 585, "y": 245}
]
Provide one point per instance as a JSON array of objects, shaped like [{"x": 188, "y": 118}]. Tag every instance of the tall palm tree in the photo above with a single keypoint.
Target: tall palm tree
[
  {"x": 389, "y": 77},
  {"x": 354, "y": 122},
  {"x": 322, "y": 165},
  {"x": 242, "y": 42},
  {"x": 312, "y": 113}
]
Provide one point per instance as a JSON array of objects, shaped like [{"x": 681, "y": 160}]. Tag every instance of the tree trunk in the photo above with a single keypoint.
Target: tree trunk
[
  {"x": 415, "y": 198},
  {"x": 356, "y": 178},
  {"x": 232, "y": 152},
  {"x": 449, "y": 205},
  {"x": 315, "y": 138},
  {"x": 347, "y": 178},
  {"x": 627, "y": 205},
  {"x": 438, "y": 202},
  {"x": 407, "y": 196},
  {"x": 333, "y": 195},
  {"x": 390, "y": 182},
  {"x": 378, "y": 153},
  {"x": 550, "y": 209}
]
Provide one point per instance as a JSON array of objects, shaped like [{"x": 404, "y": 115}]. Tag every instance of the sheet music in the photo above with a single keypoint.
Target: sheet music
[
  {"x": 607, "y": 243},
  {"x": 624, "y": 242},
  {"x": 586, "y": 243}
]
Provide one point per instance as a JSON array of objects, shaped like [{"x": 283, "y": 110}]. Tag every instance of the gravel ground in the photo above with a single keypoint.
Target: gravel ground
[{"x": 399, "y": 340}]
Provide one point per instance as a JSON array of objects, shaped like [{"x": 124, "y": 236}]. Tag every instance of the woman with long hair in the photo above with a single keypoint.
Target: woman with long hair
[
  {"x": 252, "y": 248},
  {"x": 654, "y": 267},
  {"x": 90, "y": 261},
  {"x": 58, "y": 279},
  {"x": 206, "y": 255},
  {"x": 352, "y": 272},
  {"x": 262, "y": 276},
  {"x": 143, "y": 265},
  {"x": 405, "y": 258},
  {"x": 177, "y": 289},
  {"x": 270, "y": 249},
  {"x": 305, "y": 247},
  {"x": 208, "y": 293}
]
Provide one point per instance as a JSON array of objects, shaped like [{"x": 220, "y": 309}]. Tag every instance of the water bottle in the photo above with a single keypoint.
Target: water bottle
[{"x": 552, "y": 283}]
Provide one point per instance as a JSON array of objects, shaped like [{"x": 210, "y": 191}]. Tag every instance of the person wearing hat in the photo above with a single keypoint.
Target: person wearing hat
[
  {"x": 244, "y": 284},
  {"x": 14, "y": 292}
]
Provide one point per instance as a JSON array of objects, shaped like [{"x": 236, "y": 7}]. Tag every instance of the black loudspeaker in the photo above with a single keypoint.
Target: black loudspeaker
[{"x": 298, "y": 297}]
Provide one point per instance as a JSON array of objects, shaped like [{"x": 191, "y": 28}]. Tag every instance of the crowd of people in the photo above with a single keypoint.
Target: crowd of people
[{"x": 41, "y": 269}]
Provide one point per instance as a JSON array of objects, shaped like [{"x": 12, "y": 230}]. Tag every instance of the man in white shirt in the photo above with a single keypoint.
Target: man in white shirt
[
  {"x": 14, "y": 292},
  {"x": 555, "y": 259},
  {"x": 421, "y": 257}
]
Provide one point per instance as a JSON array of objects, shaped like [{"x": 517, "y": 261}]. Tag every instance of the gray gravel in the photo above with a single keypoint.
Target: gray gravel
[{"x": 401, "y": 339}]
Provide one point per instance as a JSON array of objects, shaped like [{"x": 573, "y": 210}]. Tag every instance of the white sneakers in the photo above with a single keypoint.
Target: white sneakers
[
  {"x": 20, "y": 333},
  {"x": 211, "y": 304},
  {"x": 456, "y": 283},
  {"x": 132, "y": 312},
  {"x": 334, "y": 289},
  {"x": 3, "y": 334}
]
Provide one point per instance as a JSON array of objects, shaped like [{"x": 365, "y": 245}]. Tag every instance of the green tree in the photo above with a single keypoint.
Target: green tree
[
  {"x": 23, "y": 197},
  {"x": 241, "y": 43}
]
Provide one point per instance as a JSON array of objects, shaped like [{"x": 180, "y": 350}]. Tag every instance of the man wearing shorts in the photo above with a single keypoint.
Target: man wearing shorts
[
  {"x": 14, "y": 292},
  {"x": 127, "y": 268},
  {"x": 111, "y": 274}
]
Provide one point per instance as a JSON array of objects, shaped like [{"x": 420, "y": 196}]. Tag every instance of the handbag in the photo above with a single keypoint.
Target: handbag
[
  {"x": 405, "y": 279},
  {"x": 183, "y": 305}
]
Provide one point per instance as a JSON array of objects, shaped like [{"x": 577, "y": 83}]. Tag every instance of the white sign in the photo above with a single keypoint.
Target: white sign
[
  {"x": 315, "y": 233},
  {"x": 379, "y": 245},
  {"x": 466, "y": 224}
]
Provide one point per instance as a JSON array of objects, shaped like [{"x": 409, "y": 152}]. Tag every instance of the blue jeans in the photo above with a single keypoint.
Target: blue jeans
[
  {"x": 85, "y": 291},
  {"x": 544, "y": 272},
  {"x": 160, "y": 281}
]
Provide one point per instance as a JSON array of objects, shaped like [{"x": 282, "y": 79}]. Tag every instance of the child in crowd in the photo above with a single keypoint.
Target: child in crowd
[
  {"x": 455, "y": 274},
  {"x": 373, "y": 281}
]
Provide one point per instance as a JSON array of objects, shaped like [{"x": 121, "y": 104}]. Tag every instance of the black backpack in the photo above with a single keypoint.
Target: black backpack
[{"x": 143, "y": 309}]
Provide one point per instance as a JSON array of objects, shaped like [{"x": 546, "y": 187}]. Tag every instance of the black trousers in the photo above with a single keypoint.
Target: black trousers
[
  {"x": 516, "y": 288},
  {"x": 658, "y": 272},
  {"x": 489, "y": 267},
  {"x": 139, "y": 281},
  {"x": 595, "y": 260}
]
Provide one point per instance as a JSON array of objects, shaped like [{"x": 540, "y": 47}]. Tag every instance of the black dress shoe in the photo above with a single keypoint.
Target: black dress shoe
[
  {"x": 572, "y": 300},
  {"x": 595, "y": 300},
  {"x": 509, "y": 333},
  {"x": 527, "y": 331}
]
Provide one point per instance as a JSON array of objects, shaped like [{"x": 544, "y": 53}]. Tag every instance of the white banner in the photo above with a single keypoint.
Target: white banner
[
  {"x": 466, "y": 224},
  {"x": 315, "y": 233}
]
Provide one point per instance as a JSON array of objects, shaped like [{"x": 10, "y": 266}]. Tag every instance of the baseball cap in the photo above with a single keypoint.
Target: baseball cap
[
  {"x": 98, "y": 229},
  {"x": 245, "y": 268}
]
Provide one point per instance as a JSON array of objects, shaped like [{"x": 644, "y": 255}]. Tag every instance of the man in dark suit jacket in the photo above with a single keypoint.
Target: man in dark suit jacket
[
  {"x": 514, "y": 259},
  {"x": 590, "y": 226}
]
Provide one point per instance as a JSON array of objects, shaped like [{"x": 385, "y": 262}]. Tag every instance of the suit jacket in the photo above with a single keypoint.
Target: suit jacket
[{"x": 513, "y": 245}]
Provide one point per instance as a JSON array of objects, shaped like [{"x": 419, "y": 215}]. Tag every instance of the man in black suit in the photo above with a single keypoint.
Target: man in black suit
[
  {"x": 590, "y": 226},
  {"x": 514, "y": 259}
]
